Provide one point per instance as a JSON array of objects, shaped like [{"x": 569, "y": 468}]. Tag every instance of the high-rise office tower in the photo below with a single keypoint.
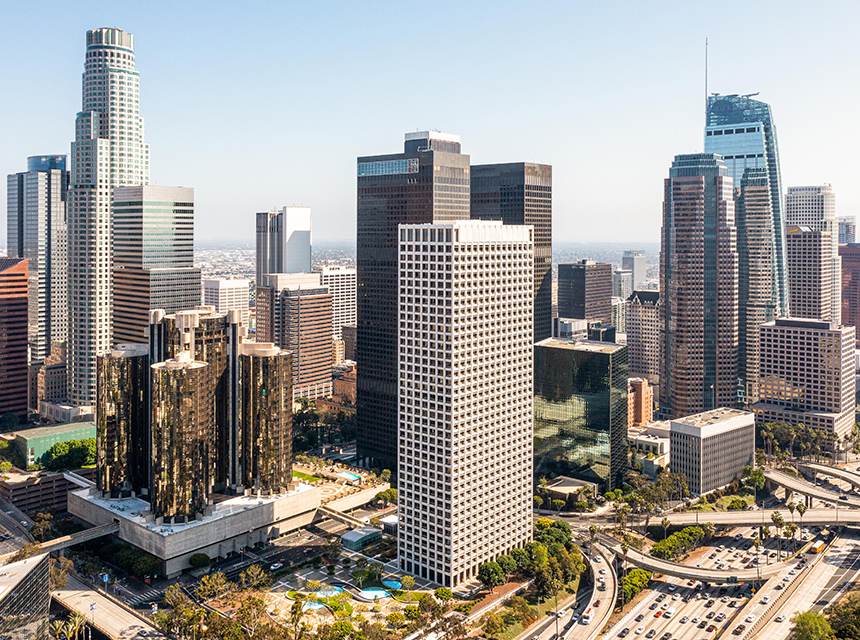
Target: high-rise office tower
[
  {"x": 340, "y": 282},
  {"x": 850, "y": 256},
  {"x": 228, "y": 294},
  {"x": 122, "y": 421},
  {"x": 521, "y": 193},
  {"x": 429, "y": 182},
  {"x": 283, "y": 241},
  {"x": 580, "y": 410},
  {"x": 810, "y": 276},
  {"x": 640, "y": 402},
  {"x": 699, "y": 287},
  {"x": 183, "y": 439},
  {"x": 633, "y": 260},
  {"x": 619, "y": 314},
  {"x": 847, "y": 229},
  {"x": 295, "y": 312},
  {"x": 464, "y": 396},
  {"x": 756, "y": 293},
  {"x": 36, "y": 230},
  {"x": 108, "y": 151},
  {"x": 622, "y": 283},
  {"x": 264, "y": 408},
  {"x": 807, "y": 377},
  {"x": 815, "y": 207},
  {"x": 14, "y": 284},
  {"x": 585, "y": 291},
  {"x": 642, "y": 324},
  {"x": 742, "y": 131},
  {"x": 153, "y": 257}
]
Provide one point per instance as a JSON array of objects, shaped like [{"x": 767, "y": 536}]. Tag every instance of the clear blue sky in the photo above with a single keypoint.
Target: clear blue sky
[{"x": 258, "y": 104}]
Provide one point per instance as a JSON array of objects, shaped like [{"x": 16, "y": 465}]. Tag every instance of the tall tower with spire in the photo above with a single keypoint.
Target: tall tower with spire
[{"x": 108, "y": 151}]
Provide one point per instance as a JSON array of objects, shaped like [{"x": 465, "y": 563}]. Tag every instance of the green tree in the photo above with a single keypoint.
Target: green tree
[
  {"x": 491, "y": 575},
  {"x": 213, "y": 585},
  {"x": 407, "y": 582},
  {"x": 254, "y": 577},
  {"x": 779, "y": 523},
  {"x": 70, "y": 454},
  {"x": 493, "y": 625},
  {"x": 665, "y": 523},
  {"x": 43, "y": 526},
  {"x": 395, "y": 620},
  {"x": 845, "y": 618},
  {"x": 558, "y": 504},
  {"x": 507, "y": 563},
  {"x": 810, "y": 625},
  {"x": 385, "y": 476},
  {"x": 538, "y": 501},
  {"x": 444, "y": 594}
]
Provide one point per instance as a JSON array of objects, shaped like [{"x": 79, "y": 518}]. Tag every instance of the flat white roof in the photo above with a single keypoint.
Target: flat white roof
[
  {"x": 431, "y": 135},
  {"x": 11, "y": 574},
  {"x": 713, "y": 422}
]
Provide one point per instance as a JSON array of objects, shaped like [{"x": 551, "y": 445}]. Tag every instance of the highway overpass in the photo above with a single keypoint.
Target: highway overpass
[
  {"x": 762, "y": 517},
  {"x": 834, "y": 472},
  {"x": 607, "y": 598},
  {"x": 803, "y": 487}
]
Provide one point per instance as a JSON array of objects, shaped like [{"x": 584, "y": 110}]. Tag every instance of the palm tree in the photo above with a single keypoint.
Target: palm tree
[
  {"x": 801, "y": 509},
  {"x": 665, "y": 524},
  {"x": 710, "y": 529},
  {"x": 779, "y": 522},
  {"x": 58, "y": 630},
  {"x": 791, "y": 507},
  {"x": 592, "y": 534}
]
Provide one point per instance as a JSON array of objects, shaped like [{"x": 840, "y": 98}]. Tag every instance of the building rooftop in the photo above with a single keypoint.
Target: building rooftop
[
  {"x": 54, "y": 429},
  {"x": 11, "y": 574},
  {"x": 592, "y": 346},
  {"x": 714, "y": 416}
]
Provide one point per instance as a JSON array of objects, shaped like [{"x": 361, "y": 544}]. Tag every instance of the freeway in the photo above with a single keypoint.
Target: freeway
[
  {"x": 103, "y": 613},
  {"x": 834, "y": 472},
  {"x": 797, "y": 485},
  {"x": 763, "y": 517}
]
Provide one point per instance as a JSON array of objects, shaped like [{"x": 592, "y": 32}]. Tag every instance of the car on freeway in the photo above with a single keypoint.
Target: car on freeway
[
  {"x": 596, "y": 603},
  {"x": 666, "y": 636},
  {"x": 720, "y": 617},
  {"x": 651, "y": 633},
  {"x": 702, "y": 624},
  {"x": 711, "y": 628},
  {"x": 710, "y": 615},
  {"x": 765, "y": 599},
  {"x": 695, "y": 620},
  {"x": 749, "y": 619},
  {"x": 684, "y": 620},
  {"x": 653, "y": 605},
  {"x": 275, "y": 566},
  {"x": 661, "y": 597},
  {"x": 623, "y": 633},
  {"x": 739, "y": 629},
  {"x": 658, "y": 614},
  {"x": 639, "y": 631},
  {"x": 780, "y": 618},
  {"x": 709, "y": 604},
  {"x": 640, "y": 617}
]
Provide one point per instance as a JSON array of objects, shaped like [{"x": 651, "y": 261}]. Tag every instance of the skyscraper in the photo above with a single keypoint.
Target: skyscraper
[
  {"x": 622, "y": 283},
  {"x": 699, "y": 287},
  {"x": 228, "y": 294},
  {"x": 14, "y": 280},
  {"x": 283, "y": 241},
  {"x": 464, "y": 396},
  {"x": 153, "y": 257},
  {"x": 847, "y": 229},
  {"x": 521, "y": 193},
  {"x": 850, "y": 255},
  {"x": 36, "y": 230},
  {"x": 810, "y": 278},
  {"x": 815, "y": 207},
  {"x": 340, "y": 282},
  {"x": 108, "y": 151},
  {"x": 756, "y": 293},
  {"x": 742, "y": 131},
  {"x": 642, "y": 323},
  {"x": 633, "y": 260},
  {"x": 585, "y": 291},
  {"x": 427, "y": 183}
]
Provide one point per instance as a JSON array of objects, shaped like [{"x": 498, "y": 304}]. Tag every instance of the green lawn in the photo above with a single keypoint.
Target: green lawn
[
  {"x": 304, "y": 476},
  {"x": 543, "y": 609},
  {"x": 722, "y": 503}
]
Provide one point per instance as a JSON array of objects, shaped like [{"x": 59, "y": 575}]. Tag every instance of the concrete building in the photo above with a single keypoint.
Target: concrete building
[
  {"x": 756, "y": 291},
  {"x": 32, "y": 444},
  {"x": 51, "y": 376},
  {"x": 585, "y": 291},
  {"x": 807, "y": 376},
  {"x": 14, "y": 302},
  {"x": 25, "y": 598},
  {"x": 521, "y": 193},
  {"x": 850, "y": 256},
  {"x": 711, "y": 449},
  {"x": 428, "y": 182},
  {"x": 699, "y": 287},
  {"x": 809, "y": 273},
  {"x": 465, "y": 396},
  {"x": 622, "y": 283},
  {"x": 640, "y": 402},
  {"x": 39, "y": 491},
  {"x": 295, "y": 313},
  {"x": 36, "y": 230},
  {"x": 108, "y": 151},
  {"x": 570, "y": 328},
  {"x": 228, "y": 294},
  {"x": 153, "y": 257},
  {"x": 633, "y": 260},
  {"x": 341, "y": 284},
  {"x": 283, "y": 241},
  {"x": 580, "y": 411},
  {"x": 619, "y": 315},
  {"x": 815, "y": 207},
  {"x": 642, "y": 327},
  {"x": 847, "y": 229}
]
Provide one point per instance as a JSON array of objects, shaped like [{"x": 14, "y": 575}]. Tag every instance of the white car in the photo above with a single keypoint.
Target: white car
[
  {"x": 639, "y": 631},
  {"x": 749, "y": 619},
  {"x": 780, "y": 618},
  {"x": 765, "y": 600},
  {"x": 275, "y": 566}
]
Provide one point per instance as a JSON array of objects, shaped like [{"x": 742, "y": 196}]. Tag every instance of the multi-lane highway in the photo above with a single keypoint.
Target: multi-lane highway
[
  {"x": 845, "y": 475},
  {"x": 762, "y": 517},
  {"x": 798, "y": 485}
]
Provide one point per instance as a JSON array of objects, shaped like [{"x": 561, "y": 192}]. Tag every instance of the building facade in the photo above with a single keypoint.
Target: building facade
[
  {"x": 850, "y": 255},
  {"x": 14, "y": 303},
  {"x": 340, "y": 282},
  {"x": 228, "y": 294},
  {"x": 756, "y": 290},
  {"x": 585, "y": 291},
  {"x": 633, "y": 260},
  {"x": 711, "y": 449},
  {"x": 153, "y": 257},
  {"x": 699, "y": 287},
  {"x": 807, "y": 376},
  {"x": 640, "y": 402},
  {"x": 809, "y": 273},
  {"x": 580, "y": 411},
  {"x": 36, "y": 230},
  {"x": 25, "y": 598},
  {"x": 847, "y": 229},
  {"x": 464, "y": 400},
  {"x": 622, "y": 283},
  {"x": 642, "y": 324},
  {"x": 521, "y": 193},
  {"x": 283, "y": 241},
  {"x": 742, "y": 131},
  {"x": 429, "y": 182}
]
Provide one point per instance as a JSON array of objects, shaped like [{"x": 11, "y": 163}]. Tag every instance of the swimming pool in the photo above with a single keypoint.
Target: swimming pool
[
  {"x": 328, "y": 591},
  {"x": 312, "y": 605},
  {"x": 393, "y": 584},
  {"x": 374, "y": 593},
  {"x": 349, "y": 475}
]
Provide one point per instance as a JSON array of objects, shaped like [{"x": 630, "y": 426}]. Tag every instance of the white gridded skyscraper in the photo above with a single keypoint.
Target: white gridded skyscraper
[
  {"x": 341, "y": 285},
  {"x": 465, "y": 395},
  {"x": 108, "y": 151}
]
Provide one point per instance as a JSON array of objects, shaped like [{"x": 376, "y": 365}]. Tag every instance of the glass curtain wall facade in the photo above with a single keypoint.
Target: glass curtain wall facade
[
  {"x": 25, "y": 606},
  {"x": 580, "y": 411},
  {"x": 742, "y": 131}
]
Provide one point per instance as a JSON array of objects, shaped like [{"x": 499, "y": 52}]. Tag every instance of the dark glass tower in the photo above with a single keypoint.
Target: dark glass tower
[
  {"x": 742, "y": 131},
  {"x": 585, "y": 291},
  {"x": 521, "y": 193},
  {"x": 428, "y": 182}
]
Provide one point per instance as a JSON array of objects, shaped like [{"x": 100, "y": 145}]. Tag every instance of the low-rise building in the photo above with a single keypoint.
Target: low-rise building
[
  {"x": 711, "y": 449},
  {"x": 35, "y": 491},
  {"x": 33, "y": 444},
  {"x": 640, "y": 402}
]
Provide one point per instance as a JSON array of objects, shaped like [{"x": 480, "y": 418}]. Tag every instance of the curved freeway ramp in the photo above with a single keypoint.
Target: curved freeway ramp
[
  {"x": 607, "y": 599},
  {"x": 798, "y": 485},
  {"x": 833, "y": 472},
  {"x": 713, "y": 576}
]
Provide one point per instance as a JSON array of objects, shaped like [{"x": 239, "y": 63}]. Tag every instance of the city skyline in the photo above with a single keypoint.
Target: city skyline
[{"x": 304, "y": 151}]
